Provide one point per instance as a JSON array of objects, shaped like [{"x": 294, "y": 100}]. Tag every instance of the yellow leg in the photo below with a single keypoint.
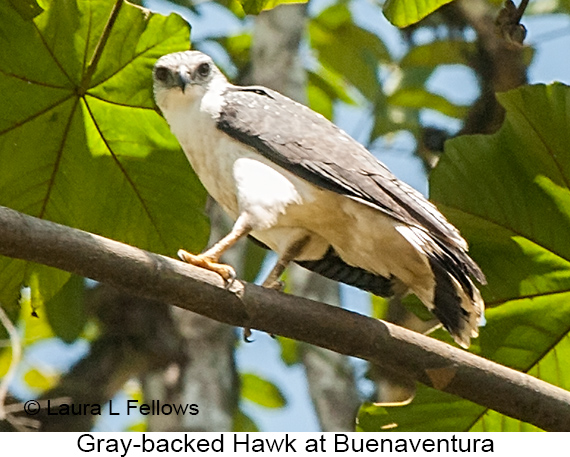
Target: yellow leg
[
  {"x": 209, "y": 259},
  {"x": 272, "y": 279}
]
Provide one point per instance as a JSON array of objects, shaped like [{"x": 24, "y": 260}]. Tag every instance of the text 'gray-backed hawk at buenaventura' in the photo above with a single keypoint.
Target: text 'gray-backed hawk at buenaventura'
[{"x": 308, "y": 191}]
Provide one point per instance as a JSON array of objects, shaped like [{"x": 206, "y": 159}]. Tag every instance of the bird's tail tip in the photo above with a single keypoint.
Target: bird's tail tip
[
  {"x": 468, "y": 319},
  {"x": 458, "y": 305}
]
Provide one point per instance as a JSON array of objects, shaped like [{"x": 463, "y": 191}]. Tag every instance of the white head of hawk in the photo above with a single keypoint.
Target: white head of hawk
[{"x": 305, "y": 189}]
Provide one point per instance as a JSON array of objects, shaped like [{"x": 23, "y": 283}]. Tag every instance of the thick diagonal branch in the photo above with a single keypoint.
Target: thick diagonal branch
[{"x": 396, "y": 349}]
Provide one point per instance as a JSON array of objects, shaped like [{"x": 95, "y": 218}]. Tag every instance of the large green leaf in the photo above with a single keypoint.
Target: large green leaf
[
  {"x": 81, "y": 142},
  {"x": 348, "y": 49},
  {"x": 509, "y": 193},
  {"x": 402, "y": 13}
]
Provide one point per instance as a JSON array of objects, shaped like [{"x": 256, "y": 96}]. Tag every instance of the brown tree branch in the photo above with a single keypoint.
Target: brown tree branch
[
  {"x": 499, "y": 62},
  {"x": 396, "y": 349}
]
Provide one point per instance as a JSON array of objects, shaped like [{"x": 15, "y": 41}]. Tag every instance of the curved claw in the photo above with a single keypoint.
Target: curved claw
[
  {"x": 247, "y": 334},
  {"x": 225, "y": 271},
  {"x": 276, "y": 285}
]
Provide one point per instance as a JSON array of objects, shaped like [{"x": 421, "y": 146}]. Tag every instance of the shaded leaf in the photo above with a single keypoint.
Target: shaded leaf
[
  {"x": 244, "y": 423},
  {"x": 65, "y": 310},
  {"x": 448, "y": 52},
  {"x": 253, "y": 259},
  {"x": 319, "y": 101},
  {"x": 419, "y": 98},
  {"x": 238, "y": 48},
  {"x": 509, "y": 193},
  {"x": 415, "y": 306},
  {"x": 261, "y": 391},
  {"x": 348, "y": 49},
  {"x": 289, "y": 350},
  {"x": 257, "y": 6},
  {"x": 390, "y": 118},
  {"x": 430, "y": 411},
  {"x": 331, "y": 84},
  {"x": 402, "y": 13},
  {"x": 28, "y": 9},
  {"x": 87, "y": 149},
  {"x": 324, "y": 88},
  {"x": 5, "y": 361}
]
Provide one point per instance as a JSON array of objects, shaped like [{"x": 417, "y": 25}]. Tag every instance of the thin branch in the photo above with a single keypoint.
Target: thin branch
[
  {"x": 16, "y": 357},
  {"x": 520, "y": 10},
  {"x": 395, "y": 349}
]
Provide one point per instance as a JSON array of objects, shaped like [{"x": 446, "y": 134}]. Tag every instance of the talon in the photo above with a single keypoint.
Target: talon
[
  {"x": 232, "y": 277},
  {"x": 276, "y": 285},
  {"x": 247, "y": 334},
  {"x": 202, "y": 261}
]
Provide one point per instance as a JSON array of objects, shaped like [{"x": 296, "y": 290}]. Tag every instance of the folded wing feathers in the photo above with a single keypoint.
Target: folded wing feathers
[{"x": 326, "y": 156}]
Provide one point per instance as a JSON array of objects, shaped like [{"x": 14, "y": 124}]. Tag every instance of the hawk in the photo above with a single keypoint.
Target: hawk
[{"x": 301, "y": 186}]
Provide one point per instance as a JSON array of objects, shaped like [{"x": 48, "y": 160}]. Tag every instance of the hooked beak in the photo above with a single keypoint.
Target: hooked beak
[{"x": 183, "y": 78}]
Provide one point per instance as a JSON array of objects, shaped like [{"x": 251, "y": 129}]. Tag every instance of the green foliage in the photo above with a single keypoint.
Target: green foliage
[
  {"x": 28, "y": 9},
  {"x": 347, "y": 49},
  {"x": 65, "y": 311},
  {"x": 323, "y": 89},
  {"x": 289, "y": 350},
  {"x": 5, "y": 361},
  {"x": 403, "y": 13},
  {"x": 441, "y": 52},
  {"x": 244, "y": 423},
  {"x": 419, "y": 98},
  {"x": 238, "y": 48},
  {"x": 261, "y": 391},
  {"x": 430, "y": 411},
  {"x": 509, "y": 193},
  {"x": 257, "y": 6},
  {"x": 253, "y": 258},
  {"x": 38, "y": 381},
  {"x": 399, "y": 110},
  {"x": 82, "y": 143}
]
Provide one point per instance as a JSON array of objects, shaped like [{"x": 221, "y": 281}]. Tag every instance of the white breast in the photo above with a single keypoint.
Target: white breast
[{"x": 240, "y": 179}]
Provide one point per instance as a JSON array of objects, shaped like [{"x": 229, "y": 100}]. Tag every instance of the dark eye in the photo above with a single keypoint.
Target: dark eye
[
  {"x": 203, "y": 69},
  {"x": 161, "y": 73}
]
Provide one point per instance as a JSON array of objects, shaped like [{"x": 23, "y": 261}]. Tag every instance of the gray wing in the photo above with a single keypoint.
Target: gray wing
[{"x": 305, "y": 143}]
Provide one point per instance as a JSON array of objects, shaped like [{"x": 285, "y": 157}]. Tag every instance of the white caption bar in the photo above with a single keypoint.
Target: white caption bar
[{"x": 215, "y": 444}]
